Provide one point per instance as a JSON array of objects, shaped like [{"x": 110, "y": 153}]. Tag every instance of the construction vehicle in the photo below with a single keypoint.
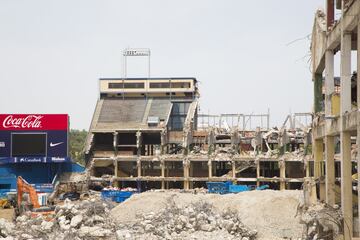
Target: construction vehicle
[
  {"x": 24, "y": 187},
  {"x": 32, "y": 204},
  {"x": 5, "y": 203}
]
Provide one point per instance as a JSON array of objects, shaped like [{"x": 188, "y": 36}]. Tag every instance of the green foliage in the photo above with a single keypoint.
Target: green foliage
[{"x": 77, "y": 142}]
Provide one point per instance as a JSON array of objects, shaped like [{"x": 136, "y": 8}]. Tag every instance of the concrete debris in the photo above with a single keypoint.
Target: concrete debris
[
  {"x": 5, "y": 227},
  {"x": 73, "y": 177},
  {"x": 87, "y": 219},
  {"x": 321, "y": 221},
  {"x": 144, "y": 214},
  {"x": 176, "y": 214},
  {"x": 175, "y": 222}
]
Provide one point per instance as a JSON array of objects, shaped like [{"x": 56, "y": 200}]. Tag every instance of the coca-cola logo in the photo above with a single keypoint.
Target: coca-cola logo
[{"x": 30, "y": 121}]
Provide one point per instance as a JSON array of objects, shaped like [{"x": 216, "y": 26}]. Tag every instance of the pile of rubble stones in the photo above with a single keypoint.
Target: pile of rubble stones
[
  {"x": 86, "y": 219},
  {"x": 188, "y": 222},
  {"x": 90, "y": 219},
  {"x": 322, "y": 221}
]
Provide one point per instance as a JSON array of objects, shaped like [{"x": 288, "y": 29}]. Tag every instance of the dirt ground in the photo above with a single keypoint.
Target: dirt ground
[{"x": 8, "y": 214}]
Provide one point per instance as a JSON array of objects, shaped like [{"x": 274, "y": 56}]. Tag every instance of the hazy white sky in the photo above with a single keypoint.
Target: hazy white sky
[{"x": 52, "y": 53}]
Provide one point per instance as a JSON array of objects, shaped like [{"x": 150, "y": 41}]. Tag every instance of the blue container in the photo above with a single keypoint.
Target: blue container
[
  {"x": 124, "y": 194},
  {"x": 109, "y": 193},
  {"x": 238, "y": 188},
  {"x": 263, "y": 187},
  {"x": 116, "y": 195},
  {"x": 218, "y": 187}
]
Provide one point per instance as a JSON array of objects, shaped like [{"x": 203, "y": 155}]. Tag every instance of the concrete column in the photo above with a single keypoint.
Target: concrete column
[
  {"x": 282, "y": 175},
  {"x": 318, "y": 157},
  {"x": 330, "y": 170},
  {"x": 257, "y": 173},
  {"x": 317, "y": 92},
  {"x": 307, "y": 168},
  {"x": 310, "y": 195},
  {"x": 345, "y": 147},
  {"x": 116, "y": 183},
  {"x": 162, "y": 164},
  {"x": 318, "y": 167},
  {"x": 345, "y": 73},
  {"x": 233, "y": 165},
  {"x": 138, "y": 165},
  {"x": 346, "y": 183},
  {"x": 210, "y": 168},
  {"x": 116, "y": 172},
  {"x": 329, "y": 140},
  {"x": 186, "y": 174},
  {"x": 329, "y": 80},
  {"x": 138, "y": 146},
  {"x": 138, "y": 143}
]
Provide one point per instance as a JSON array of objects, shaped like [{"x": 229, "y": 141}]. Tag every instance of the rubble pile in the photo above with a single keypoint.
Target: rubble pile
[
  {"x": 168, "y": 214},
  {"x": 187, "y": 222},
  {"x": 87, "y": 219},
  {"x": 321, "y": 221},
  {"x": 271, "y": 213}
]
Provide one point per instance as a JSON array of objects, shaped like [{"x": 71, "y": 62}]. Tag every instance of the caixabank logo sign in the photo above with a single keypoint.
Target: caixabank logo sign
[{"x": 33, "y": 138}]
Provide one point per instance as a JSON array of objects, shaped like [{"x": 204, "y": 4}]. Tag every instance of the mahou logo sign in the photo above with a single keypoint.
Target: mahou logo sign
[
  {"x": 30, "y": 121},
  {"x": 25, "y": 122}
]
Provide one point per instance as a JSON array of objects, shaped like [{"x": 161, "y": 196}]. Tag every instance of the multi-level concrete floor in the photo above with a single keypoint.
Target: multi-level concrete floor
[
  {"x": 336, "y": 107},
  {"x": 150, "y": 139}
]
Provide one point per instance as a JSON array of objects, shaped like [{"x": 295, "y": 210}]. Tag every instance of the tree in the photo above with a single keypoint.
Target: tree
[{"x": 77, "y": 140}]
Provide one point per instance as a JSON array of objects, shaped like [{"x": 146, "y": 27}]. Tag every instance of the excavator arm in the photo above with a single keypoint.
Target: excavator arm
[{"x": 25, "y": 187}]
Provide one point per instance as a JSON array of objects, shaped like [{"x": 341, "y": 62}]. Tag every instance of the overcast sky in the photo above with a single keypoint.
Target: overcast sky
[{"x": 52, "y": 53}]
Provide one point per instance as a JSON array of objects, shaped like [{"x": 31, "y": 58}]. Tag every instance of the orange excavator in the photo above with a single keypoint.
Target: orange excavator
[{"x": 24, "y": 187}]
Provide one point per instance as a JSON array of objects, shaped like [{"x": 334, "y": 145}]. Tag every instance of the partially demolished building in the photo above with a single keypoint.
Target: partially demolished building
[
  {"x": 336, "y": 128},
  {"x": 147, "y": 133}
]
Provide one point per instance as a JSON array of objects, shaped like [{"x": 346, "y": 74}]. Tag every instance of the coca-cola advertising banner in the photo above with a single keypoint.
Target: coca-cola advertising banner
[
  {"x": 30, "y": 122},
  {"x": 35, "y": 138}
]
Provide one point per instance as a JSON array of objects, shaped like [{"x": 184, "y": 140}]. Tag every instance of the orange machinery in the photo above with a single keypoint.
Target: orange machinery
[{"x": 24, "y": 187}]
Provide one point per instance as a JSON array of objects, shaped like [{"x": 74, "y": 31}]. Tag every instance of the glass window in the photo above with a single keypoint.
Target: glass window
[
  {"x": 126, "y": 85},
  {"x": 170, "y": 84},
  {"x": 180, "y": 85},
  {"x": 160, "y": 85}
]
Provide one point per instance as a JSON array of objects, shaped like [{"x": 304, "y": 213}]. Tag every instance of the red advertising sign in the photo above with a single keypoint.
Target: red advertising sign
[{"x": 31, "y": 122}]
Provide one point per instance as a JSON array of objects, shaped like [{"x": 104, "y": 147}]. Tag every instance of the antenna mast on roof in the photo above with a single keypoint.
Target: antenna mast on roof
[{"x": 135, "y": 52}]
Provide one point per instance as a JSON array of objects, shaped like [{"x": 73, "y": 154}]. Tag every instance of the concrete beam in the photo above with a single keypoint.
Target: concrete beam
[
  {"x": 332, "y": 127},
  {"x": 347, "y": 22}
]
